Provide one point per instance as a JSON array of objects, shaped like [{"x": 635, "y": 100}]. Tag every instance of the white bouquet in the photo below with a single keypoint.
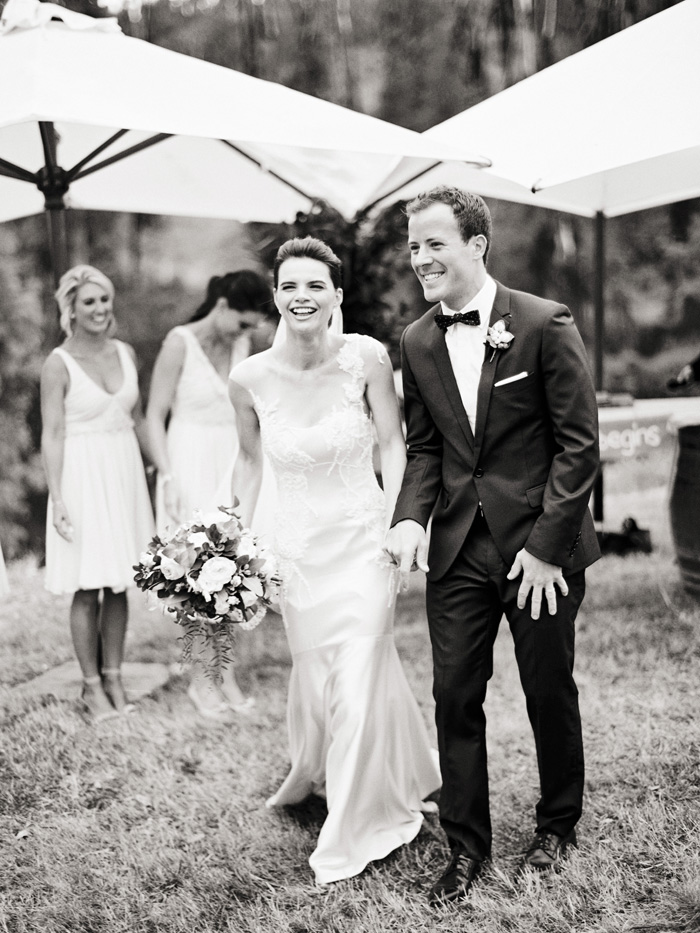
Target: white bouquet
[{"x": 211, "y": 578}]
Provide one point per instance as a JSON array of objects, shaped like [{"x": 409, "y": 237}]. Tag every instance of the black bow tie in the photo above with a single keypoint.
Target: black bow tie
[{"x": 443, "y": 321}]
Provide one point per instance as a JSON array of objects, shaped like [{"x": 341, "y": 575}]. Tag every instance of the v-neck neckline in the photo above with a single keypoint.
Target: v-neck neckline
[
  {"x": 96, "y": 384},
  {"x": 213, "y": 368}
]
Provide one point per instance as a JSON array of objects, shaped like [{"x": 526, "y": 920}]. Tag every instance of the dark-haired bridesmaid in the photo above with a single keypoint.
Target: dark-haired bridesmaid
[{"x": 192, "y": 426}]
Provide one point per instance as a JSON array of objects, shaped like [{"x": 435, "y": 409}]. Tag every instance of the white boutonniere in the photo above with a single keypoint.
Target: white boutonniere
[{"x": 498, "y": 338}]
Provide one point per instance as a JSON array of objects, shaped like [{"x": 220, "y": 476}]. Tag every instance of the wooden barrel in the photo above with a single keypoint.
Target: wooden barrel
[{"x": 685, "y": 507}]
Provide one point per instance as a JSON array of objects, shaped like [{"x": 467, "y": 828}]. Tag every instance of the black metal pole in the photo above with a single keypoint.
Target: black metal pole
[
  {"x": 599, "y": 370},
  {"x": 52, "y": 182},
  {"x": 58, "y": 240},
  {"x": 599, "y": 277}
]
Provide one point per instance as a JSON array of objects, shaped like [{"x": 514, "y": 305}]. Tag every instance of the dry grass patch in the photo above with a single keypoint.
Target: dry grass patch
[{"x": 157, "y": 822}]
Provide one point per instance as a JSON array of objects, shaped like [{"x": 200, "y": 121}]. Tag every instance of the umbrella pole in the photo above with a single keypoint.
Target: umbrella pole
[
  {"x": 53, "y": 183},
  {"x": 56, "y": 219},
  {"x": 599, "y": 278},
  {"x": 599, "y": 297}
]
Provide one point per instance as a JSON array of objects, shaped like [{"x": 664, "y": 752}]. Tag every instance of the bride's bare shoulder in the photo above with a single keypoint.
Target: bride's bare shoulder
[
  {"x": 372, "y": 351},
  {"x": 252, "y": 371}
]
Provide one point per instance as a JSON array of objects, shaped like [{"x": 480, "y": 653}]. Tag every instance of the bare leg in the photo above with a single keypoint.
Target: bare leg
[
  {"x": 235, "y": 697},
  {"x": 84, "y": 627},
  {"x": 113, "y": 633},
  {"x": 113, "y": 628}
]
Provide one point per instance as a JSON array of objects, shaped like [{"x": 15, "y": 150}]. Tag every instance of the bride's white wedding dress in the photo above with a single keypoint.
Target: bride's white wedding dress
[{"x": 356, "y": 734}]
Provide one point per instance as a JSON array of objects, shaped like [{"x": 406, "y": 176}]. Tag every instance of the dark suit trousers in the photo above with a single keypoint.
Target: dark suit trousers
[{"x": 464, "y": 611}]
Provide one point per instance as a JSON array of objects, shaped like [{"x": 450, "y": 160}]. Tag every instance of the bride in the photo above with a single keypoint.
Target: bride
[{"x": 356, "y": 735}]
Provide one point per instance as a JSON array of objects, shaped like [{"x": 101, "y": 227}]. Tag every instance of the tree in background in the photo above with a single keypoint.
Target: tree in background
[
  {"x": 416, "y": 63},
  {"x": 21, "y": 328}
]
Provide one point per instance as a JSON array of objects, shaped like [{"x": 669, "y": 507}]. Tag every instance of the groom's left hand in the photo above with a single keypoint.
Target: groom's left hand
[{"x": 540, "y": 577}]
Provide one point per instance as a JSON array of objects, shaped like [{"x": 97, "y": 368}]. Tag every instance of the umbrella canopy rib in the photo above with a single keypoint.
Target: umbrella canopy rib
[
  {"x": 48, "y": 141},
  {"x": 398, "y": 187},
  {"x": 124, "y": 154},
  {"x": 269, "y": 171},
  {"x": 73, "y": 172},
  {"x": 51, "y": 179},
  {"x": 15, "y": 171}
]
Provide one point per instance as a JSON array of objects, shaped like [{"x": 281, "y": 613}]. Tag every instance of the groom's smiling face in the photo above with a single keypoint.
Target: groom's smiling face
[{"x": 449, "y": 269}]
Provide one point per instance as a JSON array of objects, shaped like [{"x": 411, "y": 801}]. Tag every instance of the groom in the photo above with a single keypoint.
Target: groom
[{"x": 503, "y": 453}]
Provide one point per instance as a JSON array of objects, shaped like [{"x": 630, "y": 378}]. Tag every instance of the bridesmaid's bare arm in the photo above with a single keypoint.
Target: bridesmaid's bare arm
[
  {"x": 166, "y": 375},
  {"x": 247, "y": 472},
  {"x": 138, "y": 417},
  {"x": 54, "y": 385}
]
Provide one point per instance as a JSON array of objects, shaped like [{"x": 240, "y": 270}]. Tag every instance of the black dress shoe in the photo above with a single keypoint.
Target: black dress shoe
[
  {"x": 547, "y": 850},
  {"x": 454, "y": 884}
]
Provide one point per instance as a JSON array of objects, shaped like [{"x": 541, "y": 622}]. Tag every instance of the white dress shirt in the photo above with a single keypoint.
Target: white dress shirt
[{"x": 465, "y": 345}]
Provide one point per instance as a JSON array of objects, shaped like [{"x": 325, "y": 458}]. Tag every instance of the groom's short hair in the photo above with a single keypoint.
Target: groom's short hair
[{"x": 470, "y": 211}]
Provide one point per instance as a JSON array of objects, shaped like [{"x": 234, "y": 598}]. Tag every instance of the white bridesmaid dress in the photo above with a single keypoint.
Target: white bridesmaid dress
[
  {"x": 202, "y": 439},
  {"x": 356, "y": 734},
  {"x": 103, "y": 486}
]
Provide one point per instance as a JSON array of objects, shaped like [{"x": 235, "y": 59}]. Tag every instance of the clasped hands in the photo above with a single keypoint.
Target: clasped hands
[{"x": 407, "y": 545}]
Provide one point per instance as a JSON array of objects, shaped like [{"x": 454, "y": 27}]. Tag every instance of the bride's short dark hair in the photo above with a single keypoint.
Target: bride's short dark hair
[{"x": 312, "y": 248}]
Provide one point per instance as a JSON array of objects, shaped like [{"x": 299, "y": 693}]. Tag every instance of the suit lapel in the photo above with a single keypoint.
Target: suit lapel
[
  {"x": 441, "y": 360},
  {"x": 501, "y": 312}
]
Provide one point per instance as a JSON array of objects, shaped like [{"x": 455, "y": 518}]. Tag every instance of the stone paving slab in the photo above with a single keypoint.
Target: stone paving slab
[{"x": 64, "y": 682}]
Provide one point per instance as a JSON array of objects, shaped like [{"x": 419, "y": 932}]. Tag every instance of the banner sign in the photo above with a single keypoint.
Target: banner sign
[{"x": 646, "y": 426}]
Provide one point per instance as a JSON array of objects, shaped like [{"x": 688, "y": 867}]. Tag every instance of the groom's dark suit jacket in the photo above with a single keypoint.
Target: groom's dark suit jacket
[{"x": 533, "y": 457}]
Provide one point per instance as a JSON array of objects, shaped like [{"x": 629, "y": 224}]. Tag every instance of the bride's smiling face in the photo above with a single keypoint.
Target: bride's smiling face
[{"x": 305, "y": 295}]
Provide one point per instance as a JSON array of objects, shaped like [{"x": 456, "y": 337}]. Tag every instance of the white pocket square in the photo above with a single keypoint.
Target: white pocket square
[{"x": 504, "y": 382}]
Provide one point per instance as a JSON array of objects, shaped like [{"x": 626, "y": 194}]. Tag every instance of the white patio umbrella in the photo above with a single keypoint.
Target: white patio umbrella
[
  {"x": 100, "y": 120},
  {"x": 612, "y": 129}
]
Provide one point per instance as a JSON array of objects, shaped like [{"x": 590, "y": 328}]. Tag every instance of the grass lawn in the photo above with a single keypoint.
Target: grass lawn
[{"x": 157, "y": 822}]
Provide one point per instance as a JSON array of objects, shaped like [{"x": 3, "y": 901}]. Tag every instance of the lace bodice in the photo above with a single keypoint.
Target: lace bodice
[{"x": 325, "y": 475}]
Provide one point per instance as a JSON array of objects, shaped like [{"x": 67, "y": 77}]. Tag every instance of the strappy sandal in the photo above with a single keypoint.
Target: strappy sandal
[
  {"x": 89, "y": 682},
  {"x": 114, "y": 672}
]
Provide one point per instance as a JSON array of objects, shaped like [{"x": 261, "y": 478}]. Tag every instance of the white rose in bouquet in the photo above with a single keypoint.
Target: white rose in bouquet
[
  {"x": 215, "y": 574},
  {"x": 170, "y": 568}
]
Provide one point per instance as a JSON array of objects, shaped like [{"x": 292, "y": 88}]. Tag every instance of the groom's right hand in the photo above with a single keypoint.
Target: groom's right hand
[{"x": 407, "y": 545}]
